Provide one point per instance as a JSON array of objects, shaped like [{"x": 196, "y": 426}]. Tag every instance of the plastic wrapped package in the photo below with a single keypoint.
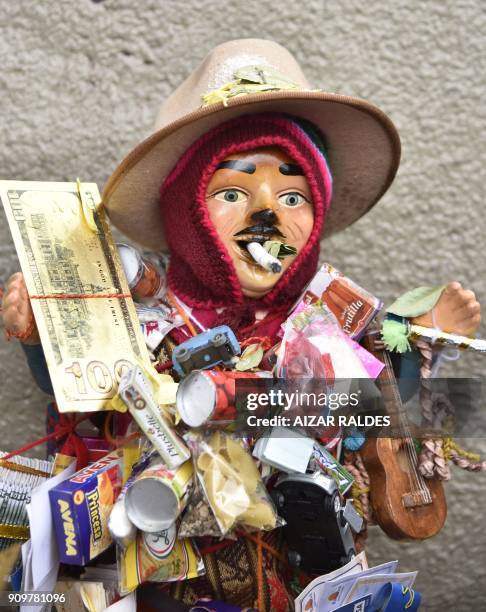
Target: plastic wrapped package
[
  {"x": 198, "y": 519},
  {"x": 315, "y": 346},
  {"x": 232, "y": 484}
]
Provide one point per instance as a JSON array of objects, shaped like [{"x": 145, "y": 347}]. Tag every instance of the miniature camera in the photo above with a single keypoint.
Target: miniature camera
[
  {"x": 317, "y": 532},
  {"x": 206, "y": 350}
]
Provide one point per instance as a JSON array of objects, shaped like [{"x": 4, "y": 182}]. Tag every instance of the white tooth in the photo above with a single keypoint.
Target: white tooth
[{"x": 263, "y": 258}]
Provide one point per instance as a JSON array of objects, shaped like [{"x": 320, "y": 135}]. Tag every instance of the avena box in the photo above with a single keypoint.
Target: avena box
[{"x": 81, "y": 507}]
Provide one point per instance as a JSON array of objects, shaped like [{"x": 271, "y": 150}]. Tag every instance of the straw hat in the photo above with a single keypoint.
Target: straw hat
[{"x": 244, "y": 77}]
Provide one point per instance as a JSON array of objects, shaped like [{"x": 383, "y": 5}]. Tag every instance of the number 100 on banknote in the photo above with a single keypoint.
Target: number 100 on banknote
[{"x": 79, "y": 294}]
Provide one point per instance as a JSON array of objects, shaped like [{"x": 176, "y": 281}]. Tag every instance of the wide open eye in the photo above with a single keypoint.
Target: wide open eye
[
  {"x": 292, "y": 199},
  {"x": 233, "y": 196}
]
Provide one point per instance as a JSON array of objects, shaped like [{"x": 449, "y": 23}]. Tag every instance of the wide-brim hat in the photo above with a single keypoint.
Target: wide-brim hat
[{"x": 244, "y": 77}]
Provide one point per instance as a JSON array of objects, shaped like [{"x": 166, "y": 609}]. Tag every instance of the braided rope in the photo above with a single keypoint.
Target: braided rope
[
  {"x": 436, "y": 408},
  {"x": 432, "y": 463},
  {"x": 467, "y": 464},
  {"x": 360, "y": 494},
  {"x": 462, "y": 458}
]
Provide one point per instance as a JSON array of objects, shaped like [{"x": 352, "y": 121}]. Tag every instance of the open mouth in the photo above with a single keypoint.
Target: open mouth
[
  {"x": 251, "y": 249},
  {"x": 244, "y": 241},
  {"x": 255, "y": 233}
]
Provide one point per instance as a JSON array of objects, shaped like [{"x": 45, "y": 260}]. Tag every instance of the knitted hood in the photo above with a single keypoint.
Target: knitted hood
[{"x": 201, "y": 272}]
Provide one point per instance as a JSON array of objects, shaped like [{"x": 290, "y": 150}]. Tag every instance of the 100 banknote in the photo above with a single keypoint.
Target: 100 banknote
[{"x": 79, "y": 294}]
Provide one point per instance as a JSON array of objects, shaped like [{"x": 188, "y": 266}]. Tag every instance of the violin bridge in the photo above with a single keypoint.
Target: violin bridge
[{"x": 413, "y": 500}]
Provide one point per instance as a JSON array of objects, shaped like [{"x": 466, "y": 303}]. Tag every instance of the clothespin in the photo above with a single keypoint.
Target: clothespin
[{"x": 89, "y": 208}]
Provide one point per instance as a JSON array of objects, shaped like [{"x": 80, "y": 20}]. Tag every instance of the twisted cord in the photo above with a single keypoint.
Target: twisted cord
[
  {"x": 431, "y": 463},
  {"x": 360, "y": 494},
  {"x": 436, "y": 408}
]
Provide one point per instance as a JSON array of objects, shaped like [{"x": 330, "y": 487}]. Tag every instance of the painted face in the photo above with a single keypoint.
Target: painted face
[{"x": 257, "y": 196}]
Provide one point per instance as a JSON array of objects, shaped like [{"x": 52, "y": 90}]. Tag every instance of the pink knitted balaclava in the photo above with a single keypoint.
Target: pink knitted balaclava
[{"x": 201, "y": 272}]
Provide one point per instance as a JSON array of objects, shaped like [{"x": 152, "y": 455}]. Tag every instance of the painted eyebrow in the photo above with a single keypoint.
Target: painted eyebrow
[
  {"x": 237, "y": 164},
  {"x": 291, "y": 170}
]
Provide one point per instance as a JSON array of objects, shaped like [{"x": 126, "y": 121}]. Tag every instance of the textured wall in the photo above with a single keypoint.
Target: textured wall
[{"x": 81, "y": 83}]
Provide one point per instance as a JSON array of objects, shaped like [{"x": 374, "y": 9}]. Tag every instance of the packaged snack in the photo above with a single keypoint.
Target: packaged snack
[
  {"x": 233, "y": 485},
  {"x": 198, "y": 519},
  {"x": 314, "y": 346},
  {"x": 328, "y": 464},
  {"x": 80, "y": 509},
  {"x": 353, "y": 306},
  {"x": 158, "y": 558}
]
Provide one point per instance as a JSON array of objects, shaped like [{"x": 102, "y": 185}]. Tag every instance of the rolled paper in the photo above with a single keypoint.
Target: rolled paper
[{"x": 436, "y": 336}]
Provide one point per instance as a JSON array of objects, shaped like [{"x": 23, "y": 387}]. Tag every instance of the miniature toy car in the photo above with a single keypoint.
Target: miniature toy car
[{"x": 206, "y": 350}]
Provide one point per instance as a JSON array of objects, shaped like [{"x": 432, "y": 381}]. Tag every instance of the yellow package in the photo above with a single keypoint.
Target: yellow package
[
  {"x": 233, "y": 486},
  {"x": 159, "y": 557}
]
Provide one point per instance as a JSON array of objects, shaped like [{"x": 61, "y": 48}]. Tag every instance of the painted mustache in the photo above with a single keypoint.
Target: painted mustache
[{"x": 260, "y": 230}]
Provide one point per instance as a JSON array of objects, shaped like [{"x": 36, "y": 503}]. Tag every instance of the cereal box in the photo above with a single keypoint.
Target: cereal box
[{"x": 81, "y": 507}]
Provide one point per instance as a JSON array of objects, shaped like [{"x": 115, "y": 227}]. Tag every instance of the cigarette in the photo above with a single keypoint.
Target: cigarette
[{"x": 263, "y": 258}]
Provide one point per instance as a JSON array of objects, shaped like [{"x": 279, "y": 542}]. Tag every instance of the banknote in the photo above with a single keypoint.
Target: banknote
[{"x": 79, "y": 293}]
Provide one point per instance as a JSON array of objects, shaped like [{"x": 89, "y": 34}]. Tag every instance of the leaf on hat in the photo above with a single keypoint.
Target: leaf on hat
[{"x": 247, "y": 80}]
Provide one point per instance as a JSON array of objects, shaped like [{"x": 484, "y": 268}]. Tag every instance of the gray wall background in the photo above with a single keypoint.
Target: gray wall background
[{"x": 81, "y": 82}]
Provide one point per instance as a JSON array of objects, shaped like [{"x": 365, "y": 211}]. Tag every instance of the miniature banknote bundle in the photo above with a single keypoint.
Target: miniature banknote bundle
[{"x": 82, "y": 305}]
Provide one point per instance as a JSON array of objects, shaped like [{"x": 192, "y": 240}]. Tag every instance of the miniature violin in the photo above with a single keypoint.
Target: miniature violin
[{"x": 405, "y": 505}]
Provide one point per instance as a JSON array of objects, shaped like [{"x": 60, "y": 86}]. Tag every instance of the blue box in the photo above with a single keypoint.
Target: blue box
[{"x": 81, "y": 507}]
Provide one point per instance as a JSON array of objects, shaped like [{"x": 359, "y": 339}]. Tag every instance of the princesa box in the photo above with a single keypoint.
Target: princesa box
[{"x": 81, "y": 507}]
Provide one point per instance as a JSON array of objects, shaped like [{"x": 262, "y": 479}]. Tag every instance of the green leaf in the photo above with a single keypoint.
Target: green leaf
[
  {"x": 286, "y": 249},
  {"x": 416, "y": 302},
  {"x": 272, "y": 247},
  {"x": 279, "y": 249},
  {"x": 250, "y": 358}
]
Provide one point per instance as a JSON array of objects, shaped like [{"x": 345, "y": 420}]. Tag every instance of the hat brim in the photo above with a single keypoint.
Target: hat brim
[{"x": 363, "y": 151}]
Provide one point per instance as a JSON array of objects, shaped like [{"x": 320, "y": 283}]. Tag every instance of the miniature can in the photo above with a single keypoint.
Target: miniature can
[
  {"x": 144, "y": 280},
  {"x": 208, "y": 397},
  {"x": 121, "y": 528},
  {"x": 158, "y": 496}
]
